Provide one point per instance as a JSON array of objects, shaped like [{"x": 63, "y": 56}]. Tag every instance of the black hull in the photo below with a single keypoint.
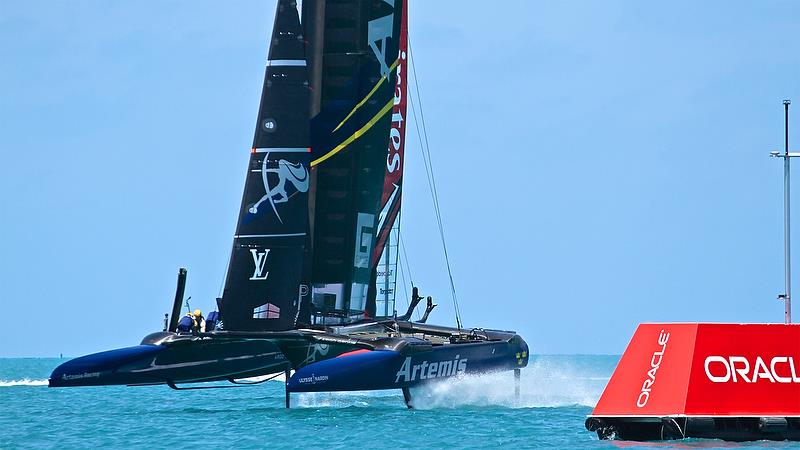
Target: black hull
[
  {"x": 739, "y": 429},
  {"x": 174, "y": 360},
  {"x": 169, "y": 358}
]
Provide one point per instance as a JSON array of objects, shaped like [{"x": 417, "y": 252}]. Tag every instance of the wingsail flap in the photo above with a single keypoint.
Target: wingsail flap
[
  {"x": 349, "y": 137},
  {"x": 264, "y": 275},
  {"x": 381, "y": 298}
]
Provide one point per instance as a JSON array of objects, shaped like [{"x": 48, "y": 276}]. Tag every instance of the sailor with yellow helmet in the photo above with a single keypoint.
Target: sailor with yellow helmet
[{"x": 192, "y": 322}]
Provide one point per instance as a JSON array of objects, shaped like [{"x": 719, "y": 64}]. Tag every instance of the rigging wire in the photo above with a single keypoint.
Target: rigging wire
[
  {"x": 224, "y": 278},
  {"x": 405, "y": 256},
  {"x": 426, "y": 157},
  {"x": 405, "y": 260}
]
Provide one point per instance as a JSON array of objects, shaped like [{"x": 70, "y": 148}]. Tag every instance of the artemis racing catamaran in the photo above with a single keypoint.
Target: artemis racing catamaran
[{"x": 311, "y": 280}]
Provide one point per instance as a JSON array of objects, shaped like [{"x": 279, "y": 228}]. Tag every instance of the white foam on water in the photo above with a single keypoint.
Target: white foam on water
[
  {"x": 271, "y": 377},
  {"x": 343, "y": 399},
  {"x": 543, "y": 384},
  {"x": 23, "y": 382}
]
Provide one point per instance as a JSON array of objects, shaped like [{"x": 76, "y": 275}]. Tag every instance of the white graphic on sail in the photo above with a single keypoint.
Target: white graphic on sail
[
  {"x": 295, "y": 173},
  {"x": 388, "y": 206},
  {"x": 260, "y": 262}
]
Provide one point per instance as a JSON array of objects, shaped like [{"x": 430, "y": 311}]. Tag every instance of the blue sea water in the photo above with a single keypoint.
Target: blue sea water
[{"x": 478, "y": 412}]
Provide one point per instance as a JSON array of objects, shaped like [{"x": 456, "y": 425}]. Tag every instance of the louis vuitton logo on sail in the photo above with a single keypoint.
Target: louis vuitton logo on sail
[{"x": 259, "y": 263}]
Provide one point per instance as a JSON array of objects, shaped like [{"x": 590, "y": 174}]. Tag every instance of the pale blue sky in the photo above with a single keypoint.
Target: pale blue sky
[{"x": 600, "y": 164}]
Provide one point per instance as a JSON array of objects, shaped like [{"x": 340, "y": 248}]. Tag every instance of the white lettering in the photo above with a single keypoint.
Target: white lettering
[
  {"x": 655, "y": 363},
  {"x": 395, "y": 133},
  {"x": 795, "y": 379},
  {"x": 405, "y": 371},
  {"x": 260, "y": 262},
  {"x": 715, "y": 378},
  {"x": 743, "y": 371},
  {"x": 644, "y": 396},
  {"x": 735, "y": 368},
  {"x": 761, "y": 371},
  {"x": 432, "y": 369},
  {"x": 392, "y": 162},
  {"x": 408, "y": 372},
  {"x": 772, "y": 363}
]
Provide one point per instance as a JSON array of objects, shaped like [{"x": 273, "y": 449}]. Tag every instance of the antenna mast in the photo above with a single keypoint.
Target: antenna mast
[
  {"x": 787, "y": 215},
  {"x": 787, "y": 267}
]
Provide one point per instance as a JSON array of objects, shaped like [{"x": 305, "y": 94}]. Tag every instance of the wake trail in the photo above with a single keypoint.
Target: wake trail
[
  {"x": 543, "y": 384},
  {"x": 22, "y": 382}
]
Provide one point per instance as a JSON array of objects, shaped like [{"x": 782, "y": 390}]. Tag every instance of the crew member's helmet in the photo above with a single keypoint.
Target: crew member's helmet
[{"x": 197, "y": 313}]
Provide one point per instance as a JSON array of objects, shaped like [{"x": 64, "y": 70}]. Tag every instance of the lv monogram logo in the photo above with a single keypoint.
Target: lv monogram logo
[{"x": 260, "y": 262}]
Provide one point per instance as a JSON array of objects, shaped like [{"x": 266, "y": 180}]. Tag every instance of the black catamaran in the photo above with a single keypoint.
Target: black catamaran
[{"x": 311, "y": 282}]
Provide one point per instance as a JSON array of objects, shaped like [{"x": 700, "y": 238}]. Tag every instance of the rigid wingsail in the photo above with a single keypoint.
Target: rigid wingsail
[{"x": 312, "y": 279}]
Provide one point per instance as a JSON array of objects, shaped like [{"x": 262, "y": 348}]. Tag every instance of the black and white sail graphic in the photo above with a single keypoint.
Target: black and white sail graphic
[{"x": 262, "y": 287}]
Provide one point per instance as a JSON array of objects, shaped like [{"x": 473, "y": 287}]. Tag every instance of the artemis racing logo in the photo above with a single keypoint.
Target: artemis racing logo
[
  {"x": 655, "y": 363},
  {"x": 720, "y": 369},
  {"x": 294, "y": 173},
  {"x": 427, "y": 371}
]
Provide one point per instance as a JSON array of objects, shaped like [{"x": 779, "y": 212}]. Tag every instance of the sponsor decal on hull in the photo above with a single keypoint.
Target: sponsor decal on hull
[
  {"x": 80, "y": 376},
  {"x": 313, "y": 379},
  {"x": 429, "y": 370}
]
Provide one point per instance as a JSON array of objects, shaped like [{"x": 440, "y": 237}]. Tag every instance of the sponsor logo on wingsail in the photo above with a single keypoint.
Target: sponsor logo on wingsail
[
  {"x": 741, "y": 369},
  {"x": 294, "y": 173},
  {"x": 259, "y": 263},
  {"x": 429, "y": 370},
  {"x": 655, "y": 363},
  {"x": 364, "y": 237},
  {"x": 393, "y": 161}
]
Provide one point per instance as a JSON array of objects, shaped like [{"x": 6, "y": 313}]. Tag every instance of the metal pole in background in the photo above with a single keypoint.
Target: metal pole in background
[{"x": 787, "y": 218}]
